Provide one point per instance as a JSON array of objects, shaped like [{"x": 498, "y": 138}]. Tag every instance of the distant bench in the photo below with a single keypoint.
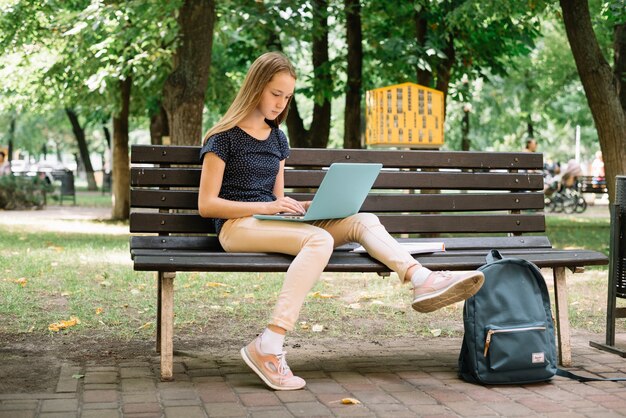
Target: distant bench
[
  {"x": 590, "y": 184},
  {"x": 477, "y": 200}
]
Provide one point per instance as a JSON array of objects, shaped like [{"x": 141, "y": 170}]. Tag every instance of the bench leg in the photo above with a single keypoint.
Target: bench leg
[
  {"x": 166, "y": 324},
  {"x": 562, "y": 317}
]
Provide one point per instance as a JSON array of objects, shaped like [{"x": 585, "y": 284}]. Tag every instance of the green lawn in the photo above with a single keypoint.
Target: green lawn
[{"x": 48, "y": 276}]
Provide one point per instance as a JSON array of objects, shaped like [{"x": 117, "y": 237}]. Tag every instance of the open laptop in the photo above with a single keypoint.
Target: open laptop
[{"x": 341, "y": 193}]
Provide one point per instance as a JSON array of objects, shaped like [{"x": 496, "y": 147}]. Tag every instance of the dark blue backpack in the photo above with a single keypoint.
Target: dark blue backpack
[{"x": 509, "y": 332}]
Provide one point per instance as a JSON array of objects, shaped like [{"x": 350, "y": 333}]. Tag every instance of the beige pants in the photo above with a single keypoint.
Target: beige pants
[{"x": 312, "y": 245}]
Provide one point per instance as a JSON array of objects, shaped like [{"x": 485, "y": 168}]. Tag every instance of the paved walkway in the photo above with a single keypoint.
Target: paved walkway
[{"x": 412, "y": 377}]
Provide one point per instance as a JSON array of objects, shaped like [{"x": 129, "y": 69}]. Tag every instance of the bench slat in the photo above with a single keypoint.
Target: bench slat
[
  {"x": 351, "y": 262},
  {"x": 142, "y": 222},
  {"x": 418, "y": 159},
  {"x": 210, "y": 243},
  {"x": 190, "y": 177},
  {"x": 387, "y": 202},
  {"x": 153, "y": 154}
]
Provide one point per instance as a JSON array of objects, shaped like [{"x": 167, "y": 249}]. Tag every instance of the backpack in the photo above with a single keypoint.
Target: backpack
[{"x": 509, "y": 331}]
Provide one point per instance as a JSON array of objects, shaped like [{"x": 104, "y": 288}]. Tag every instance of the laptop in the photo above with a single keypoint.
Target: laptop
[{"x": 341, "y": 193}]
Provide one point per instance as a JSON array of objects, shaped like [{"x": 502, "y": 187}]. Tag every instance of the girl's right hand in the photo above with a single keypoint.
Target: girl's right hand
[{"x": 286, "y": 205}]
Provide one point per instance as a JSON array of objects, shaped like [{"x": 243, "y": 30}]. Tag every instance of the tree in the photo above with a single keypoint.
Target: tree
[
  {"x": 185, "y": 87},
  {"x": 354, "y": 35},
  {"x": 318, "y": 133},
  {"x": 79, "y": 134},
  {"x": 601, "y": 85}
]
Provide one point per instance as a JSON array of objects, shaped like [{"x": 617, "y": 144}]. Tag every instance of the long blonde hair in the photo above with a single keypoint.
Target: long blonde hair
[{"x": 259, "y": 75}]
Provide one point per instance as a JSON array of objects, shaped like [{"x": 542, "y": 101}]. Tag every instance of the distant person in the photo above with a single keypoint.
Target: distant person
[
  {"x": 5, "y": 167},
  {"x": 597, "y": 167},
  {"x": 531, "y": 145},
  {"x": 569, "y": 174}
]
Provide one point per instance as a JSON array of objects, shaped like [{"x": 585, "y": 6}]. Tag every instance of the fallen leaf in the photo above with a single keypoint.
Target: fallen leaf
[
  {"x": 350, "y": 401},
  {"x": 321, "y": 295},
  {"x": 370, "y": 297},
  {"x": 215, "y": 284},
  {"x": 22, "y": 281},
  {"x": 57, "y": 326},
  {"x": 146, "y": 325},
  {"x": 99, "y": 311},
  {"x": 317, "y": 328},
  {"x": 78, "y": 376},
  {"x": 435, "y": 332},
  {"x": 304, "y": 325}
]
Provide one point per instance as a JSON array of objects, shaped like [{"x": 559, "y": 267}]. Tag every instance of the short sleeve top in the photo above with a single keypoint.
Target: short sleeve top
[{"x": 251, "y": 164}]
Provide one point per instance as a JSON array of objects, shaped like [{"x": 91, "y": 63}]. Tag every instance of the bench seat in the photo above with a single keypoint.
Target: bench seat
[{"x": 205, "y": 254}]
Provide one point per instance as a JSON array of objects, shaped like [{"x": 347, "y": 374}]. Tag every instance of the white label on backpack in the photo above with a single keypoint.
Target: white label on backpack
[{"x": 539, "y": 358}]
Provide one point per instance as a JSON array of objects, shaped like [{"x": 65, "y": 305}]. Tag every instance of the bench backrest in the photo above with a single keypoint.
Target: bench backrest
[{"x": 418, "y": 192}]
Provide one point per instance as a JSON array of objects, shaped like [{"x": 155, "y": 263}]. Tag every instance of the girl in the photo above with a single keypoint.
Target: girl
[{"x": 243, "y": 158}]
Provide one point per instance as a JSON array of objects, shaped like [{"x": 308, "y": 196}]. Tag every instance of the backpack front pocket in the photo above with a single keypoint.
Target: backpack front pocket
[{"x": 516, "y": 347}]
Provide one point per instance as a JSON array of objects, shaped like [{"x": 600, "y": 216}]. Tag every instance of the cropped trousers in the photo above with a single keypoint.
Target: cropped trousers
[{"x": 312, "y": 245}]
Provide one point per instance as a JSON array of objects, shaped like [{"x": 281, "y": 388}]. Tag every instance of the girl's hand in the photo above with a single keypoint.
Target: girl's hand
[{"x": 287, "y": 205}]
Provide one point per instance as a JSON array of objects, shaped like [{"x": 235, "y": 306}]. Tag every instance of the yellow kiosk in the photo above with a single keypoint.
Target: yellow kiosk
[{"x": 404, "y": 115}]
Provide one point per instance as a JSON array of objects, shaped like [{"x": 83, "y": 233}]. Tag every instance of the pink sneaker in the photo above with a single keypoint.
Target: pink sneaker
[
  {"x": 271, "y": 368},
  {"x": 442, "y": 288}
]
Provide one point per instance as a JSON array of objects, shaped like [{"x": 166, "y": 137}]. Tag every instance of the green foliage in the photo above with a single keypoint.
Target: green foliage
[
  {"x": 21, "y": 192},
  {"x": 55, "y": 54}
]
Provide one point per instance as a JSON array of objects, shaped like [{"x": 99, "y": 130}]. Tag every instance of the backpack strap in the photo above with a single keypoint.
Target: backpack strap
[
  {"x": 570, "y": 375},
  {"x": 493, "y": 256}
]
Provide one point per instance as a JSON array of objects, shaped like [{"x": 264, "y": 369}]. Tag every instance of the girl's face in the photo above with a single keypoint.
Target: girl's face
[{"x": 276, "y": 95}]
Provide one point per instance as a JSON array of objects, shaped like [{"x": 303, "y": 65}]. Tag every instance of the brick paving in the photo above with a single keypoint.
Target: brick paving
[{"x": 406, "y": 377}]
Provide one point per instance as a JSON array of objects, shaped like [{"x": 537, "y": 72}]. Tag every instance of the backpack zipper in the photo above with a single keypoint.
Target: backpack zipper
[{"x": 499, "y": 331}]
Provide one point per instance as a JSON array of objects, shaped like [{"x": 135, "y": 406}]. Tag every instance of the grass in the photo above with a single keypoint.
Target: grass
[
  {"x": 84, "y": 198},
  {"x": 82, "y": 269}
]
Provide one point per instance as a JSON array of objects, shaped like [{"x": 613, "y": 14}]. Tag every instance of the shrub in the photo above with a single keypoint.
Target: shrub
[{"x": 22, "y": 192}]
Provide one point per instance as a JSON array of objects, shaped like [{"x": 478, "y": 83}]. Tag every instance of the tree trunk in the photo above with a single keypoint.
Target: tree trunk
[
  {"x": 352, "y": 119},
  {"x": 619, "y": 59},
  {"x": 107, "y": 134},
  {"x": 600, "y": 86},
  {"x": 121, "y": 163},
  {"x": 424, "y": 77},
  {"x": 184, "y": 89},
  {"x": 158, "y": 127},
  {"x": 465, "y": 130},
  {"x": 444, "y": 71},
  {"x": 79, "y": 134},
  {"x": 11, "y": 139},
  {"x": 318, "y": 133}
]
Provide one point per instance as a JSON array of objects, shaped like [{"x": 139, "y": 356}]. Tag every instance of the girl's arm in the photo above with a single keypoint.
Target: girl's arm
[{"x": 210, "y": 205}]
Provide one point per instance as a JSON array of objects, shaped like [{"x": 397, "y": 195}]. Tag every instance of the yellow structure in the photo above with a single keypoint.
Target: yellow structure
[{"x": 405, "y": 115}]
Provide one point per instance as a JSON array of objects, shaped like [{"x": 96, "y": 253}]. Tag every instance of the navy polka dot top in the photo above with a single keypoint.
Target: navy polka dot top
[{"x": 251, "y": 165}]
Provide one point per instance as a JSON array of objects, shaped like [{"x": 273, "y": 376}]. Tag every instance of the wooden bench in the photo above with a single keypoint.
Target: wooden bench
[
  {"x": 590, "y": 184},
  {"x": 476, "y": 201}
]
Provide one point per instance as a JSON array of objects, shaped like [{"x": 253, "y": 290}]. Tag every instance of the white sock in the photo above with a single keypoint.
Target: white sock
[
  {"x": 272, "y": 342},
  {"x": 419, "y": 277}
]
